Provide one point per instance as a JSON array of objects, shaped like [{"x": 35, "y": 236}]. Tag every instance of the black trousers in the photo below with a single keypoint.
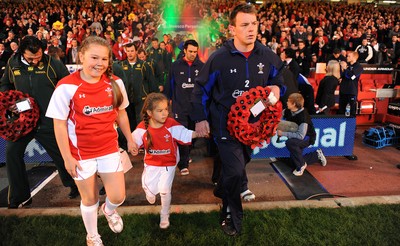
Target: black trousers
[
  {"x": 234, "y": 158},
  {"x": 184, "y": 150},
  {"x": 343, "y": 100},
  {"x": 296, "y": 147},
  {"x": 19, "y": 190}
]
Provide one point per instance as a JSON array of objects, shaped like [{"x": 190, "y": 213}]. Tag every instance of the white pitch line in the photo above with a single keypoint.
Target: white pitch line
[{"x": 47, "y": 180}]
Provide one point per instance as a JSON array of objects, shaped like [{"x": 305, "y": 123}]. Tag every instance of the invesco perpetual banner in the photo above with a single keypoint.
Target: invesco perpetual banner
[{"x": 335, "y": 136}]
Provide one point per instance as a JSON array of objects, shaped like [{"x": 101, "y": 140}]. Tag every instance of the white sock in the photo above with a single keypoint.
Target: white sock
[
  {"x": 110, "y": 207},
  {"x": 165, "y": 202},
  {"x": 89, "y": 217}
]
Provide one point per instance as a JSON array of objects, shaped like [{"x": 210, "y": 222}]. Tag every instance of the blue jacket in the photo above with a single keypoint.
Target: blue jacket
[
  {"x": 225, "y": 76},
  {"x": 350, "y": 77},
  {"x": 180, "y": 85}
]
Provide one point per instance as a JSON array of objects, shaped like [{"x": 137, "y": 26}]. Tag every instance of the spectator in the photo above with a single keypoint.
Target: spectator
[
  {"x": 118, "y": 49},
  {"x": 348, "y": 89},
  {"x": 4, "y": 56},
  {"x": 303, "y": 57},
  {"x": 325, "y": 98},
  {"x": 273, "y": 45},
  {"x": 72, "y": 54},
  {"x": 365, "y": 52},
  {"x": 336, "y": 55},
  {"x": 302, "y": 138}
]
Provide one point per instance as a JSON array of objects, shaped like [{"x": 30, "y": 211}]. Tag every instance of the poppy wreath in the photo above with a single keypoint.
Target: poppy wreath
[
  {"x": 15, "y": 125},
  {"x": 253, "y": 134}
]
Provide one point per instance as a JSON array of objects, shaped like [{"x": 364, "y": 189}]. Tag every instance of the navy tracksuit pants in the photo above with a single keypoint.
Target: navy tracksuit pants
[{"x": 234, "y": 158}]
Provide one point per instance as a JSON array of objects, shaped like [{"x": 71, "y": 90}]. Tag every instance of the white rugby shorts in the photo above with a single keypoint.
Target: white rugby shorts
[
  {"x": 104, "y": 164},
  {"x": 156, "y": 179}
]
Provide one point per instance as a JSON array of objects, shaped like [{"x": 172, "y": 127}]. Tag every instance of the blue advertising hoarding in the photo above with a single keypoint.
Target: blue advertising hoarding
[{"x": 335, "y": 136}]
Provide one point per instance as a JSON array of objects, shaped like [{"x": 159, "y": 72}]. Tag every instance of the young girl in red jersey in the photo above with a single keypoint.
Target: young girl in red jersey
[
  {"x": 85, "y": 106},
  {"x": 160, "y": 135}
]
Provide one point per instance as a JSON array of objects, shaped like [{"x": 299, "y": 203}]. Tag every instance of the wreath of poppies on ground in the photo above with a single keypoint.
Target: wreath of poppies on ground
[
  {"x": 253, "y": 134},
  {"x": 15, "y": 125}
]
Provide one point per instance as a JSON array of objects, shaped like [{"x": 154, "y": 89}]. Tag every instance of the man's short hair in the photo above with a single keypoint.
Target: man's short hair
[
  {"x": 130, "y": 44},
  {"x": 190, "y": 42},
  {"x": 336, "y": 51},
  {"x": 243, "y": 8},
  {"x": 30, "y": 43}
]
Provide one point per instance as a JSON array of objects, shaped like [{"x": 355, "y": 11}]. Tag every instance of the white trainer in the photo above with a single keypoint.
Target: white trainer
[
  {"x": 164, "y": 221},
  {"x": 114, "y": 220},
  {"x": 301, "y": 171},
  {"x": 248, "y": 196},
  {"x": 321, "y": 157},
  {"x": 94, "y": 240}
]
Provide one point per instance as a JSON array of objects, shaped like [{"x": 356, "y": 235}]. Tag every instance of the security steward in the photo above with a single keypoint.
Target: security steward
[
  {"x": 157, "y": 72},
  {"x": 32, "y": 72},
  {"x": 139, "y": 82}
]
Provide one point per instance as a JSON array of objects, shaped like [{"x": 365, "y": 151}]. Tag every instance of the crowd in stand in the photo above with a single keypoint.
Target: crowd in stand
[{"x": 315, "y": 30}]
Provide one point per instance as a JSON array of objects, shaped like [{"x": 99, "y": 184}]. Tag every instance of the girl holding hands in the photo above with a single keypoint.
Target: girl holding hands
[
  {"x": 160, "y": 135},
  {"x": 85, "y": 106}
]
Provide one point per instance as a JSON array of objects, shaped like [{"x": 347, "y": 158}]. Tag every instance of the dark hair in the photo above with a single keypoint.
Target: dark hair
[
  {"x": 128, "y": 45},
  {"x": 154, "y": 39},
  {"x": 149, "y": 104},
  {"x": 140, "y": 50},
  {"x": 243, "y": 8},
  {"x": 117, "y": 95},
  {"x": 54, "y": 52},
  {"x": 336, "y": 51},
  {"x": 190, "y": 42},
  {"x": 289, "y": 53},
  {"x": 31, "y": 43}
]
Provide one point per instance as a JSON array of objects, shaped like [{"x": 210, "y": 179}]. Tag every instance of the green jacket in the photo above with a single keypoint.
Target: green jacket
[
  {"x": 39, "y": 82},
  {"x": 139, "y": 80}
]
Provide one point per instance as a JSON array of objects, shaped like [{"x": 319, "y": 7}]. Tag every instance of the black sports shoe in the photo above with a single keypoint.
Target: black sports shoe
[
  {"x": 227, "y": 227},
  {"x": 218, "y": 192},
  {"x": 20, "y": 205},
  {"x": 74, "y": 192}
]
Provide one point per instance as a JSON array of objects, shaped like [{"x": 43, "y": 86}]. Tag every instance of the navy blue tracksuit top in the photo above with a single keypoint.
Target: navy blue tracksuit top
[
  {"x": 225, "y": 76},
  {"x": 180, "y": 85}
]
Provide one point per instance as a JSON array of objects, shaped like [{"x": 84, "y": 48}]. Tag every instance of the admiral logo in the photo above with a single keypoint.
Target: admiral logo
[
  {"x": 82, "y": 96},
  {"x": 87, "y": 110},
  {"x": 233, "y": 70},
  {"x": 159, "y": 151},
  {"x": 196, "y": 72},
  {"x": 185, "y": 85}
]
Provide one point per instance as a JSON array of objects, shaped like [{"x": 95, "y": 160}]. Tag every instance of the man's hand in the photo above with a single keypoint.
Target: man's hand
[
  {"x": 202, "y": 128},
  {"x": 275, "y": 89}
]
